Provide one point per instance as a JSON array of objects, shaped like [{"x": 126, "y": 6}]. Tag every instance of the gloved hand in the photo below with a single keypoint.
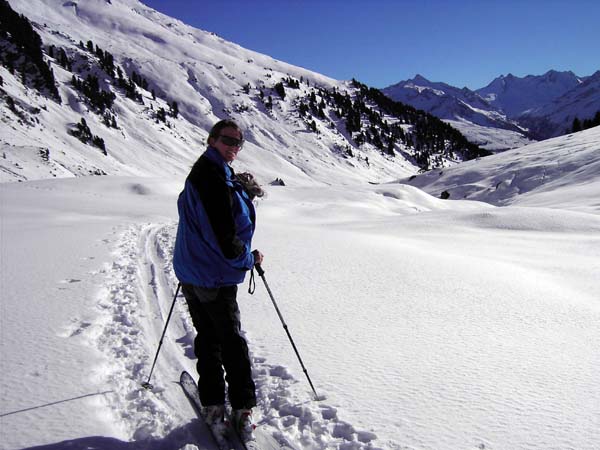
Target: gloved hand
[{"x": 258, "y": 257}]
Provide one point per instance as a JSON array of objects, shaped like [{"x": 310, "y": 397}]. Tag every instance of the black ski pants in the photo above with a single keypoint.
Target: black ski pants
[{"x": 221, "y": 350}]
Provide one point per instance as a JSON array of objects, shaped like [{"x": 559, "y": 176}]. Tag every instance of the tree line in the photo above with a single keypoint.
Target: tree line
[
  {"x": 371, "y": 117},
  {"x": 21, "y": 51},
  {"x": 579, "y": 125}
]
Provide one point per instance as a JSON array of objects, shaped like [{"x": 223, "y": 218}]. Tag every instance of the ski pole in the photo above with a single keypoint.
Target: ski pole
[
  {"x": 147, "y": 384},
  {"x": 261, "y": 273}
]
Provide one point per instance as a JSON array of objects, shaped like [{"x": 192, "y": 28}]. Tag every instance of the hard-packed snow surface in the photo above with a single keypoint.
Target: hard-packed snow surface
[{"x": 426, "y": 324}]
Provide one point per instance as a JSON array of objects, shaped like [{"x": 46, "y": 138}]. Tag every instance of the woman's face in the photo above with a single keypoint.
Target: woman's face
[{"x": 228, "y": 143}]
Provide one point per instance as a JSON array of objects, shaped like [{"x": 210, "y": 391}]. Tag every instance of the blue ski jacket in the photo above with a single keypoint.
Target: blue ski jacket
[{"x": 216, "y": 225}]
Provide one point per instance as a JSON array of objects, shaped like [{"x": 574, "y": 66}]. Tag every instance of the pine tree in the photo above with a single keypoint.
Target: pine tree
[
  {"x": 280, "y": 89},
  {"x": 82, "y": 131},
  {"x": 161, "y": 115},
  {"x": 174, "y": 109},
  {"x": 302, "y": 109},
  {"x": 97, "y": 141},
  {"x": 11, "y": 104}
]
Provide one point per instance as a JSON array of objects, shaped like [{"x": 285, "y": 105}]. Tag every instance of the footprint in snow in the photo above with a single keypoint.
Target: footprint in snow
[
  {"x": 75, "y": 328},
  {"x": 70, "y": 280}
]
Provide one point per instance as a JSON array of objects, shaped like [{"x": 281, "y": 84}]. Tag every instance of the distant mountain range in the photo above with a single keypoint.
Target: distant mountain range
[{"x": 508, "y": 111}]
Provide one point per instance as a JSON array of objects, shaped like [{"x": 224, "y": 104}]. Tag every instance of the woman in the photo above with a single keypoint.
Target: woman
[{"x": 212, "y": 255}]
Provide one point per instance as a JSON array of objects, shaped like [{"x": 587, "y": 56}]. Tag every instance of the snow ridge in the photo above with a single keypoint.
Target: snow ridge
[{"x": 551, "y": 172}]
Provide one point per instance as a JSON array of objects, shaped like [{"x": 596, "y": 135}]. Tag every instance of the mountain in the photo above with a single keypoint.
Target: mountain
[
  {"x": 464, "y": 109},
  {"x": 556, "y": 117},
  {"x": 443, "y": 101},
  {"x": 510, "y": 111},
  {"x": 128, "y": 77},
  {"x": 516, "y": 96}
]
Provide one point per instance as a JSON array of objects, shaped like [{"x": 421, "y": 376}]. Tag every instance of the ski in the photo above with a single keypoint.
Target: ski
[{"x": 190, "y": 388}]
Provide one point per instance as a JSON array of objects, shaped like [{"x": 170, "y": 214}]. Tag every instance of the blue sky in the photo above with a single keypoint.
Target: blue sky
[{"x": 381, "y": 42}]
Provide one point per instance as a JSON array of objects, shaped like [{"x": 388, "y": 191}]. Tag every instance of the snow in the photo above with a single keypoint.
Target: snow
[
  {"x": 469, "y": 323},
  {"x": 546, "y": 104},
  {"x": 560, "y": 172},
  {"x": 425, "y": 323},
  {"x": 492, "y": 139},
  {"x": 203, "y": 73}
]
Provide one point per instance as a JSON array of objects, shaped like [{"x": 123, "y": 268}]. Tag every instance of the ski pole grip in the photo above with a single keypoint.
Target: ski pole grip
[{"x": 259, "y": 269}]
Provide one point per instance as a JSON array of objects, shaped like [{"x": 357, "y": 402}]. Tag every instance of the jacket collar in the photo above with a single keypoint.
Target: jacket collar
[{"x": 213, "y": 155}]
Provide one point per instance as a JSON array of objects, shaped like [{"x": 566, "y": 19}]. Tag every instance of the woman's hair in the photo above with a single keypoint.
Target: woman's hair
[{"x": 227, "y": 123}]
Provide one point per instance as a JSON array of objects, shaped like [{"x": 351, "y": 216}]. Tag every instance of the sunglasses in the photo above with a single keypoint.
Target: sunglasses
[{"x": 231, "y": 141}]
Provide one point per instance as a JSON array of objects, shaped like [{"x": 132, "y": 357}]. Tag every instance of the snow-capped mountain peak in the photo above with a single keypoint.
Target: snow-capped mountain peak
[
  {"x": 462, "y": 108},
  {"x": 510, "y": 110},
  {"x": 515, "y": 95}
]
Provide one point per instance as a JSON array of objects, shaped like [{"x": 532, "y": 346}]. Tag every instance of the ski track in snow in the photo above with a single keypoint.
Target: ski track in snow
[
  {"x": 135, "y": 302},
  {"x": 132, "y": 293}
]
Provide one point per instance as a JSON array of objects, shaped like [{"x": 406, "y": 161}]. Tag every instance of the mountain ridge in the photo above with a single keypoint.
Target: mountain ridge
[
  {"x": 169, "y": 82},
  {"x": 454, "y": 104},
  {"x": 528, "y": 106},
  {"x": 516, "y": 96}
]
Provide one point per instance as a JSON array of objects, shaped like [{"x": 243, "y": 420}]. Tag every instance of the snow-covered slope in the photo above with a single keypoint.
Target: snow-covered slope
[
  {"x": 209, "y": 79},
  {"x": 463, "y": 109},
  {"x": 555, "y": 172},
  {"x": 201, "y": 72},
  {"x": 475, "y": 325},
  {"x": 426, "y": 323}
]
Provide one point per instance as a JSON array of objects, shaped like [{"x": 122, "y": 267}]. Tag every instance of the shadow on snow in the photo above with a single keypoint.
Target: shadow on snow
[{"x": 178, "y": 438}]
